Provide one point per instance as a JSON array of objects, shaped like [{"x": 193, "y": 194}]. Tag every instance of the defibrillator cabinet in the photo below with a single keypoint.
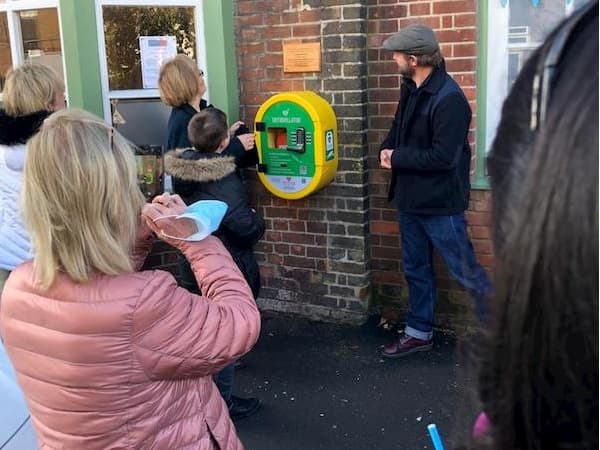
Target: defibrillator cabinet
[{"x": 297, "y": 142}]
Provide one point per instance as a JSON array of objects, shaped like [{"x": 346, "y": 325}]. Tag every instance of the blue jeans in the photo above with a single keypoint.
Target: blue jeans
[
  {"x": 224, "y": 381},
  {"x": 448, "y": 236}
]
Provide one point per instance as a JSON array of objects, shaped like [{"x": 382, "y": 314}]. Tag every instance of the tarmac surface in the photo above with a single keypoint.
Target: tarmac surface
[{"x": 324, "y": 386}]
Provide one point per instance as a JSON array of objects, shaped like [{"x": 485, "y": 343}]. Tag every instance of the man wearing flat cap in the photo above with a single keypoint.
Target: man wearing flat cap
[{"x": 429, "y": 156}]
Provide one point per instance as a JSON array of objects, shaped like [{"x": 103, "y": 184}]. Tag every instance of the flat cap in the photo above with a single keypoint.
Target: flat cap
[{"x": 414, "y": 39}]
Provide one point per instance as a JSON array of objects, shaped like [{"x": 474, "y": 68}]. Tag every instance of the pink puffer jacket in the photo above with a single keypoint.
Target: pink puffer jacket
[{"x": 125, "y": 362}]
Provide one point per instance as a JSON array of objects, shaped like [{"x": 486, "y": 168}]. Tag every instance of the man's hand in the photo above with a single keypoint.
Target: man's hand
[{"x": 385, "y": 158}]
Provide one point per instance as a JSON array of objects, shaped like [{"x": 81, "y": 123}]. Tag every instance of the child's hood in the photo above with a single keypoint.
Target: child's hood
[{"x": 191, "y": 165}]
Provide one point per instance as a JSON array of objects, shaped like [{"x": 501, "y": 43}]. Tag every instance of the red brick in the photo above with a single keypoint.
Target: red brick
[
  {"x": 479, "y": 232},
  {"x": 465, "y": 20},
  {"x": 419, "y": 9},
  {"x": 276, "y": 32},
  {"x": 306, "y": 30},
  {"x": 311, "y": 15},
  {"x": 479, "y": 218},
  {"x": 462, "y": 50},
  {"x": 294, "y": 261},
  {"x": 447, "y": 22},
  {"x": 430, "y": 21},
  {"x": 384, "y": 227},
  {"x": 449, "y": 7},
  {"x": 457, "y": 35}
]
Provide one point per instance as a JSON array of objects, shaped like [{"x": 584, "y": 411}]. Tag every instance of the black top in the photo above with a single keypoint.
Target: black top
[{"x": 432, "y": 156}]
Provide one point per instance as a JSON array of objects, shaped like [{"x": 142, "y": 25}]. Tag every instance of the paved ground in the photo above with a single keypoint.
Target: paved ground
[{"x": 325, "y": 387}]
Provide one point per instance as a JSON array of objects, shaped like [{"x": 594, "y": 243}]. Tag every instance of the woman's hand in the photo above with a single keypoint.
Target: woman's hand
[
  {"x": 160, "y": 215},
  {"x": 247, "y": 141}
]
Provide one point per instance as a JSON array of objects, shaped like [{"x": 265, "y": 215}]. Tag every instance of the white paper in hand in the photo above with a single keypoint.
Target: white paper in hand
[{"x": 207, "y": 215}]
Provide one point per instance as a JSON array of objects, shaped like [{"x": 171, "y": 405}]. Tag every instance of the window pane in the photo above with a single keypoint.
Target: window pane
[
  {"x": 528, "y": 27},
  {"x": 41, "y": 38},
  {"x": 123, "y": 25},
  {"x": 515, "y": 28},
  {"x": 5, "y": 56}
]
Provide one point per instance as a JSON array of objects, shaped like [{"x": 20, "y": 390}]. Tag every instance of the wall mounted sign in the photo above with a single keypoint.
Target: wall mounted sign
[
  {"x": 154, "y": 50},
  {"x": 302, "y": 57}
]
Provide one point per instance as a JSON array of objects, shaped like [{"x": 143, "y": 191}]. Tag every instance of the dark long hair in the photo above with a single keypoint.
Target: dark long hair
[{"x": 539, "y": 377}]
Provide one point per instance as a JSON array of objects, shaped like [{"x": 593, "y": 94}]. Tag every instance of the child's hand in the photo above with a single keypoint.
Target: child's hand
[{"x": 233, "y": 128}]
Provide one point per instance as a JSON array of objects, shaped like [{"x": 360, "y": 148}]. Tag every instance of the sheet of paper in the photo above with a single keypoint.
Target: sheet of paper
[{"x": 154, "y": 50}]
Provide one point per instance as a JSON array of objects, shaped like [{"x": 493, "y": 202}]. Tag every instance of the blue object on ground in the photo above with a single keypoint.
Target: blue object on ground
[{"x": 435, "y": 437}]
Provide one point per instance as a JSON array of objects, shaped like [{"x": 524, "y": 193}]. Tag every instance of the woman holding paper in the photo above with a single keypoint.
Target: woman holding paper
[{"x": 109, "y": 357}]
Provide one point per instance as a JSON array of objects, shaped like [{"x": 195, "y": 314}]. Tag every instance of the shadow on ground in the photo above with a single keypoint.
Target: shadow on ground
[{"x": 325, "y": 386}]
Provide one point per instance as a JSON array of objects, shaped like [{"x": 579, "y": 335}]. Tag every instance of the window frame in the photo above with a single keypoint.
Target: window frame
[
  {"x": 107, "y": 94},
  {"x": 12, "y": 9},
  {"x": 485, "y": 108}
]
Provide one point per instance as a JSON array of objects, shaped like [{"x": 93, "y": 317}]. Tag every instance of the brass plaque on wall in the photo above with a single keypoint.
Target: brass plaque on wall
[{"x": 302, "y": 57}]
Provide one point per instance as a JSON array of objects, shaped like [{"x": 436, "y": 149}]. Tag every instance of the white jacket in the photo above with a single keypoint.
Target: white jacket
[{"x": 15, "y": 246}]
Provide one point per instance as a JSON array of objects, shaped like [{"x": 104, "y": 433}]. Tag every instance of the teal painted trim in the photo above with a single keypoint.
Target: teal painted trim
[
  {"x": 219, "y": 35},
  {"x": 82, "y": 61},
  {"x": 481, "y": 180}
]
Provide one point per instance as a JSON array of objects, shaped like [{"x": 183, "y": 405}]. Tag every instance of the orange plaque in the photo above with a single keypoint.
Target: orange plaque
[{"x": 302, "y": 57}]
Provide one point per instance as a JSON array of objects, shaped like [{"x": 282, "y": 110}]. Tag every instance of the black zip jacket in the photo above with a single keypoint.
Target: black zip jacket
[{"x": 431, "y": 159}]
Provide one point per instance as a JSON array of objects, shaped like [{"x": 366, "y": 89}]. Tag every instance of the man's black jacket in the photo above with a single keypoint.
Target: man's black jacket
[{"x": 431, "y": 159}]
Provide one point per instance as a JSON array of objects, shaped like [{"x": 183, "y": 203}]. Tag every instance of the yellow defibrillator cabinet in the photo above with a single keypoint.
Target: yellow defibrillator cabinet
[{"x": 297, "y": 142}]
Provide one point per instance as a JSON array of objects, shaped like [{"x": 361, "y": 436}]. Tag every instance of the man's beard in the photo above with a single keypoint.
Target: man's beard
[{"x": 407, "y": 72}]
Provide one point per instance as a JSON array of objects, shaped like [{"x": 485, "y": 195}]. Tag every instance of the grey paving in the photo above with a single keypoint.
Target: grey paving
[{"x": 325, "y": 386}]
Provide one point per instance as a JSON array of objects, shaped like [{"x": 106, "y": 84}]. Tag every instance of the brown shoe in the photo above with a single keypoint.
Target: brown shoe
[{"x": 406, "y": 345}]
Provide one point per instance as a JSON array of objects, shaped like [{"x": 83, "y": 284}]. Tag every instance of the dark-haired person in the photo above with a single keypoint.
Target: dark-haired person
[
  {"x": 428, "y": 152},
  {"x": 539, "y": 383},
  {"x": 203, "y": 172}
]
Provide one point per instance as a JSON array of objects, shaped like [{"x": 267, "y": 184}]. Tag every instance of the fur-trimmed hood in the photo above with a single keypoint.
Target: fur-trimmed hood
[
  {"x": 18, "y": 130},
  {"x": 191, "y": 165}
]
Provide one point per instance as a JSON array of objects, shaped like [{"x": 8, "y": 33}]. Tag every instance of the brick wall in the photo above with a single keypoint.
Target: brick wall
[
  {"x": 314, "y": 256},
  {"x": 456, "y": 27}
]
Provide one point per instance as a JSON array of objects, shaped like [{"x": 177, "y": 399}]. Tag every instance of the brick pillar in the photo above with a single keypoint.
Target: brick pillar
[{"x": 314, "y": 257}]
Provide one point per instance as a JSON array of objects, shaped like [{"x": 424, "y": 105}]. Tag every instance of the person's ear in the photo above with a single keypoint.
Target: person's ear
[{"x": 223, "y": 144}]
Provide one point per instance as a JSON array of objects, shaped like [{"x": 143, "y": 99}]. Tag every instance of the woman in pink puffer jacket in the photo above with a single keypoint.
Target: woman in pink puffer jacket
[{"x": 109, "y": 357}]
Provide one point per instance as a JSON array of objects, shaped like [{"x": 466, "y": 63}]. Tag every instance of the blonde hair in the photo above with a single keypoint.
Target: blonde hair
[
  {"x": 178, "y": 81},
  {"x": 30, "y": 88},
  {"x": 80, "y": 198}
]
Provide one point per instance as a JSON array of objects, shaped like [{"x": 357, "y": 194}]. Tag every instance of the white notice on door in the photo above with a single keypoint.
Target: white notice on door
[{"x": 154, "y": 50}]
